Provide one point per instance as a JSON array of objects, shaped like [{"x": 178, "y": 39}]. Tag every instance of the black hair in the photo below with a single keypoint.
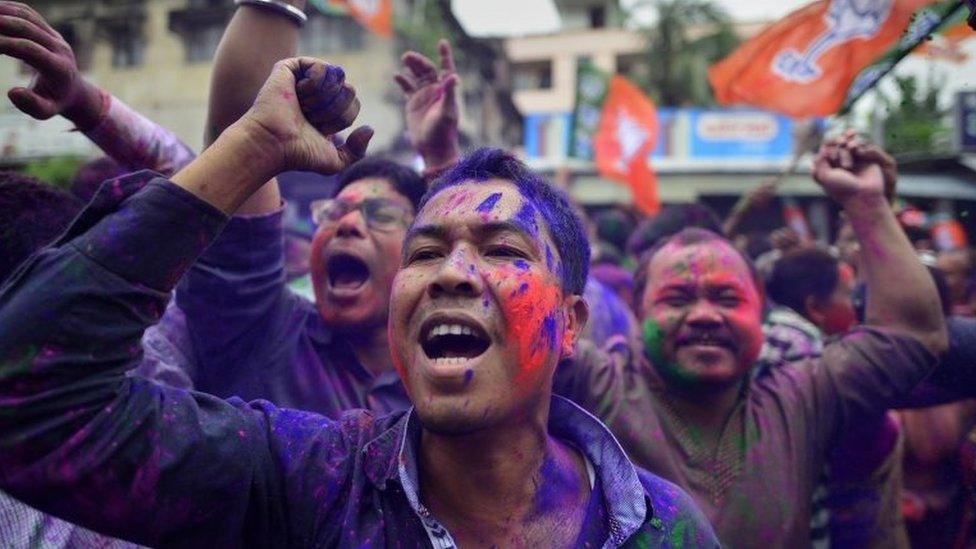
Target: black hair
[
  {"x": 32, "y": 214},
  {"x": 684, "y": 238},
  {"x": 670, "y": 221},
  {"x": 810, "y": 272},
  {"x": 565, "y": 227},
  {"x": 405, "y": 181}
]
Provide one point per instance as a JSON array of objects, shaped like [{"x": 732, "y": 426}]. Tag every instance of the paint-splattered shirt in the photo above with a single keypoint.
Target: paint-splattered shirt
[
  {"x": 236, "y": 329},
  {"x": 166, "y": 466},
  {"x": 756, "y": 487}
]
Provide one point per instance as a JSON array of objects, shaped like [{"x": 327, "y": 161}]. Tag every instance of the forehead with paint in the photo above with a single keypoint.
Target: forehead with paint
[
  {"x": 709, "y": 263},
  {"x": 481, "y": 209}
]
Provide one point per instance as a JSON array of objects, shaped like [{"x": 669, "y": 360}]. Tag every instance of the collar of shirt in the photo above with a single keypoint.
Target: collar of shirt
[{"x": 393, "y": 456}]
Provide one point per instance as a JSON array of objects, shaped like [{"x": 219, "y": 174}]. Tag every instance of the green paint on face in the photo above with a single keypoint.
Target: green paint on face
[{"x": 653, "y": 337}]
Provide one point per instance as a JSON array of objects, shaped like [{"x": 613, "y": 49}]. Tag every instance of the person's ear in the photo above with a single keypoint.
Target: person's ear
[
  {"x": 814, "y": 311},
  {"x": 576, "y": 312}
]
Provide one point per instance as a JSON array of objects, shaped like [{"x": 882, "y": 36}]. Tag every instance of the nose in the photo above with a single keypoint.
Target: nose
[
  {"x": 352, "y": 225},
  {"x": 457, "y": 276},
  {"x": 704, "y": 314}
]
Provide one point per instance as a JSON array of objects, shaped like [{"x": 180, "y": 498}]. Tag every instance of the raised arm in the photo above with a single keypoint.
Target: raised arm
[
  {"x": 129, "y": 138},
  {"x": 123, "y": 455},
  {"x": 255, "y": 39},
  {"x": 431, "y": 108},
  {"x": 900, "y": 292}
]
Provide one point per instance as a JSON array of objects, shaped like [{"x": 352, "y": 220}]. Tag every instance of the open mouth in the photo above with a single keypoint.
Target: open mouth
[
  {"x": 346, "y": 272},
  {"x": 453, "y": 342}
]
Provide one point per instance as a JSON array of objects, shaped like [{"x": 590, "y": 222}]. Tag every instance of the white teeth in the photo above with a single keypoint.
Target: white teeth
[
  {"x": 448, "y": 329},
  {"x": 451, "y": 361}
]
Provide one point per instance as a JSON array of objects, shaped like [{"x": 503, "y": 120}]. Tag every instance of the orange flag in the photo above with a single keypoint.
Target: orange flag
[
  {"x": 375, "y": 15},
  {"x": 804, "y": 64},
  {"x": 624, "y": 138}
]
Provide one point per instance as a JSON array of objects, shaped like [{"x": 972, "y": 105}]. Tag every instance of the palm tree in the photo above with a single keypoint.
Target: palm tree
[{"x": 687, "y": 37}]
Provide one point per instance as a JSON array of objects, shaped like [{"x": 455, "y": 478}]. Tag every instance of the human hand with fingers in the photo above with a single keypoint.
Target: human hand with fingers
[
  {"x": 58, "y": 87},
  {"x": 301, "y": 106},
  {"x": 432, "y": 111},
  {"x": 290, "y": 126},
  {"x": 847, "y": 167}
]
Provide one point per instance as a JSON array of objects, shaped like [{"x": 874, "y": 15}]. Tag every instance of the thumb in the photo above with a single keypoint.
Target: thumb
[
  {"x": 355, "y": 146},
  {"x": 32, "y": 104}
]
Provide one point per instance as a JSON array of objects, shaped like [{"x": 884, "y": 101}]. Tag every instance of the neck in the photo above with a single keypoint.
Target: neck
[
  {"x": 706, "y": 409},
  {"x": 476, "y": 483},
  {"x": 371, "y": 345}
]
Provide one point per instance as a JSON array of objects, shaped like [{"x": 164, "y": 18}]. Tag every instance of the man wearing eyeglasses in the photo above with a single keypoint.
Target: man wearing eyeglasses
[{"x": 243, "y": 333}]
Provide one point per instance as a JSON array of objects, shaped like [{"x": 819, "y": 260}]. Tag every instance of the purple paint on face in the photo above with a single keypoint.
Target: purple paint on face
[
  {"x": 526, "y": 218},
  {"x": 549, "y": 330},
  {"x": 521, "y": 265},
  {"x": 468, "y": 376},
  {"x": 488, "y": 204},
  {"x": 523, "y": 287},
  {"x": 548, "y": 258}
]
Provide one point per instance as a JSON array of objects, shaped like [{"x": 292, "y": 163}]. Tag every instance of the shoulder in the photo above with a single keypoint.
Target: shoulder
[{"x": 676, "y": 512}]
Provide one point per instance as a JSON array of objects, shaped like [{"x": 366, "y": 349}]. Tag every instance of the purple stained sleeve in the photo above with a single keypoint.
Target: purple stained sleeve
[{"x": 138, "y": 143}]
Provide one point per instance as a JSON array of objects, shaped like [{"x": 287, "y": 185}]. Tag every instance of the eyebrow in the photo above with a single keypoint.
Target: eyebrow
[{"x": 484, "y": 230}]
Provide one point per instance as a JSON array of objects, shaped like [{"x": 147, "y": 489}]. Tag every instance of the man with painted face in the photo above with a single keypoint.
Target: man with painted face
[
  {"x": 751, "y": 450},
  {"x": 244, "y": 332},
  {"x": 486, "y": 302}
]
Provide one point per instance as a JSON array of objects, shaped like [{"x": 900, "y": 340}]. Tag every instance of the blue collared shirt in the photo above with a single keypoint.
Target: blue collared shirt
[{"x": 166, "y": 466}]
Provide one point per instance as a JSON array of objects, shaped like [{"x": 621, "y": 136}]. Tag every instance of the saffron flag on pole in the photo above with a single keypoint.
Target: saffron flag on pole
[
  {"x": 821, "y": 58},
  {"x": 615, "y": 126},
  {"x": 375, "y": 15}
]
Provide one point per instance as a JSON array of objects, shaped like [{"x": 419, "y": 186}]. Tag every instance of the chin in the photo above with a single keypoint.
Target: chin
[{"x": 451, "y": 419}]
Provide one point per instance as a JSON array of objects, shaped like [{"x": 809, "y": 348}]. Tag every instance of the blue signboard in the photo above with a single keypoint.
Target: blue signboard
[{"x": 688, "y": 135}]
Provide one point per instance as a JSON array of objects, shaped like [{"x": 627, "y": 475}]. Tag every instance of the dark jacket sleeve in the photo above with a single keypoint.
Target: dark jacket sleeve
[
  {"x": 123, "y": 455},
  {"x": 239, "y": 315}
]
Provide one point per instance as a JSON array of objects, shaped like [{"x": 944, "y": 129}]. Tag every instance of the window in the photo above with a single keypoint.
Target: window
[
  {"x": 128, "y": 49},
  {"x": 532, "y": 75},
  {"x": 597, "y": 16},
  {"x": 330, "y": 34},
  {"x": 201, "y": 43}
]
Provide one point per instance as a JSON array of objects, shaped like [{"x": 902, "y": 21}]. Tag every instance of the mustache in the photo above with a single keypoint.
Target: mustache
[{"x": 694, "y": 336}]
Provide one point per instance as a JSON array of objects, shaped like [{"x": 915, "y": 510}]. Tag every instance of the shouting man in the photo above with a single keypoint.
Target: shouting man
[{"x": 485, "y": 304}]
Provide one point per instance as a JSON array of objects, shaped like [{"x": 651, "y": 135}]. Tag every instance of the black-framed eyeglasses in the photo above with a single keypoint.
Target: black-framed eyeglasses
[{"x": 379, "y": 213}]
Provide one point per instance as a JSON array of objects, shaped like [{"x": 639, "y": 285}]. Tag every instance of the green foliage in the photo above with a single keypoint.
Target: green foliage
[
  {"x": 688, "y": 37},
  {"x": 914, "y": 124},
  {"x": 56, "y": 171},
  {"x": 423, "y": 28}
]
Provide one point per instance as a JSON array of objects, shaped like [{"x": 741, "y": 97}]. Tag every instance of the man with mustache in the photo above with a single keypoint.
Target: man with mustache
[
  {"x": 751, "y": 450},
  {"x": 487, "y": 301}
]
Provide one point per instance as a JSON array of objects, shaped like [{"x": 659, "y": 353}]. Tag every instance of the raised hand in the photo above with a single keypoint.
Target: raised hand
[
  {"x": 301, "y": 126},
  {"x": 58, "y": 87},
  {"x": 845, "y": 173},
  {"x": 431, "y": 107}
]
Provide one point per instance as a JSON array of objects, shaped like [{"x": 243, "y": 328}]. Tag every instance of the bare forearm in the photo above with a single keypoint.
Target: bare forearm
[
  {"x": 254, "y": 41},
  {"x": 901, "y": 293},
  {"x": 228, "y": 172}
]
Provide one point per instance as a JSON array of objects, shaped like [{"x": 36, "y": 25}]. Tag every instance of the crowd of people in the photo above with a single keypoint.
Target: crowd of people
[{"x": 480, "y": 361}]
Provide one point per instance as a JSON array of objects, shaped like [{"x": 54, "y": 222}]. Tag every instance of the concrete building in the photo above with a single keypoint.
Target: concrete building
[{"x": 157, "y": 55}]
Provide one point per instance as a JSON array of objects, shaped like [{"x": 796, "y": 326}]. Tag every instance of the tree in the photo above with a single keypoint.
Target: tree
[
  {"x": 914, "y": 124},
  {"x": 687, "y": 37}
]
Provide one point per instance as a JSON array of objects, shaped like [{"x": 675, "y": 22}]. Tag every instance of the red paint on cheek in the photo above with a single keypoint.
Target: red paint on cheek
[{"x": 529, "y": 311}]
